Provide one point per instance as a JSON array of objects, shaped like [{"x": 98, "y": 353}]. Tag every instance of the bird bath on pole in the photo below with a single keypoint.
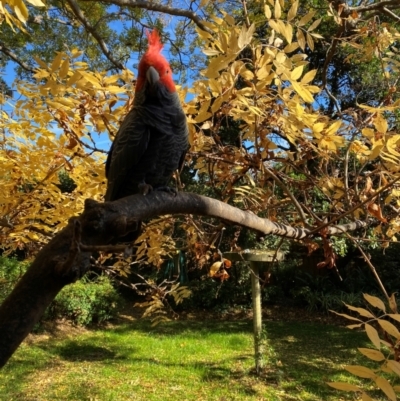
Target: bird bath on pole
[{"x": 256, "y": 259}]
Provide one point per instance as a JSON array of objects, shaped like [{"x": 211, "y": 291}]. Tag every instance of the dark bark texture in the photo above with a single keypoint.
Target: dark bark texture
[{"x": 64, "y": 259}]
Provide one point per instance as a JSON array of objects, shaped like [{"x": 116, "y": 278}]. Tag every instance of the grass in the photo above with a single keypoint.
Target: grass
[{"x": 183, "y": 360}]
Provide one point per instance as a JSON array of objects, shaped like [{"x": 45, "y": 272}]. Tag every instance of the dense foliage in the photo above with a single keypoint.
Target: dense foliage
[{"x": 82, "y": 303}]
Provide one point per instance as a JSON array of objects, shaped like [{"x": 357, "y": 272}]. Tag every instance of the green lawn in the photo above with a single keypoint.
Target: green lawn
[{"x": 183, "y": 360}]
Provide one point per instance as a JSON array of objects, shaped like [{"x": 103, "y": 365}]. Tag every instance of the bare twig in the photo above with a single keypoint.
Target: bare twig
[
  {"x": 246, "y": 14},
  {"x": 380, "y": 5},
  {"x": 371, "y": 266},
  {"x": 289, "y": 194},
  {"x": 88, "y": 26},
  {"x": 8, "y": 52},
  {"x": 103, "y": 248},
  {"x": 390, "y": 14},
  {"x": 153, "y": 6}
]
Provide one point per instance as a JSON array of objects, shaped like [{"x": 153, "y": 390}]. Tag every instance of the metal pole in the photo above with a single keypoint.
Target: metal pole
[{"x": 257, "y": 316}]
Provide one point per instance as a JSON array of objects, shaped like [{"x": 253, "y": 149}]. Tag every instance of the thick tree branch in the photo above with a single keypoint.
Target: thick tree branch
[
  {"x": 393, "y": 4},
  {"x": 367, "y": 10},
  {"x": 88, "y": 26},
  {"x": 8, "y": 52},
  {"x": 153, "y": 6},
  {"x": 391, "y": 14},
  {"x": 66, "y": 257}
]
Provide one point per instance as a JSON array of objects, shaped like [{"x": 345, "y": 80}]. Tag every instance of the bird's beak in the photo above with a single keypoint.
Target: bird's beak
[{"x": 152, "y": 76}]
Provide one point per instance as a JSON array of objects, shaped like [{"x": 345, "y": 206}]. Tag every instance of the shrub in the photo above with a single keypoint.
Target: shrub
[
  {"x": 324, "y": 302},
  {"x": 10, "y": 272},
  {"x": 86, "y": 302}
]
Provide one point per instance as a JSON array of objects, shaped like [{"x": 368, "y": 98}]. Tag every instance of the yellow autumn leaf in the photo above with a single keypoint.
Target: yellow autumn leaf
[
  {"x": 314, "y": 25},
  {"x": 277, "y": 10},
  {"x": 375, "y": 301},
  {"x": 344, "y": 386},
  {"x": 373, "y": 335},
  {"x": 376, "y": 149},
  {"x": 354, "y": 326},
  {"x": 20, "y": 10},
  {"x": 385, "y": 386},
  {"x": 288, "y": 33},
  {"x": 40, "y": 74},
  {"x": 333, "y": 128},
  {"x": 394, "y": 366},
  {"x": 292, "y": 11},
  {"x": 301, "y": 39},
  {"x": 366, "y": 397},
  {"x": 40, "y": 62},
  {"x": 389, "y": 328},
  {"x": 394, "y": 316},
  {"x": 214, "y": 268},
  {"x": 308, "y": 77},
  {"x": 380, "y": 123},
  {"x": 346, "y": 316},
  {"x": 372, "y": 354},
  {"x": 291, "y": 47},
  {"x": 310, "y": 41},
  {"x": 302, "y": 92},
  {"x": 267, "y": 11},
  {"x": 296, "y": 73},
  {"x": 76, "y": 76},
  {"x": 361, "y": 371},
  {"x": 64, "y": 69},
  {"x": 304, "y": 20},
  {"x": 368, "y": 132},
  {"x": 204, "y": 115},
  {"x": 56, "y": 62},
  {"x": 275, "y": 26},
  {"x": 247, "y": 74}
]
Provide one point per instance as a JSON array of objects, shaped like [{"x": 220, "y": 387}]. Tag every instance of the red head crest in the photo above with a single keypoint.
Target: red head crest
[
  {"x": 154, "y": 58},
  {"x": 155, "y": 44}
]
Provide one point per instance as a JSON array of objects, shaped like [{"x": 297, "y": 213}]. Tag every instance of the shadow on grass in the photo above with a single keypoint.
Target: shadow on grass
[
  {"x": 187, "y": 326},
  {"x": 15, "y": 375},
  {"x": 304, "y": 355},
  {"x": 311, "y": 354},
  {"x": 209, "y": 371},
  {"x": 74, "y": 351},
  {"x": 306, "y": 352}
]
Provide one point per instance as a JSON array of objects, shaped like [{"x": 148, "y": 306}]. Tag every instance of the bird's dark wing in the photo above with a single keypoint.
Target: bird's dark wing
[
  {"x": 180, "y": 124},
  {"x": 129, "y": 145}
]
